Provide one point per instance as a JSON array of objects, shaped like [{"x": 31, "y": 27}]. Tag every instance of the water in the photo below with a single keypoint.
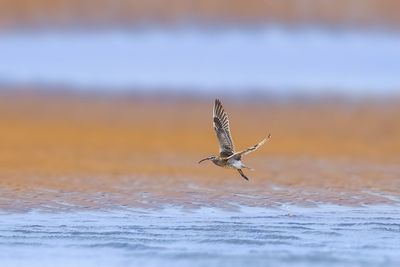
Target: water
[
  {"x": 267, "y": 59},
  {"x": 252, "y": 236}
]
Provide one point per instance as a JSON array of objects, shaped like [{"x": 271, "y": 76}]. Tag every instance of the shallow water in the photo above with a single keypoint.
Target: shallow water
[{"x": 321, "y": 236}]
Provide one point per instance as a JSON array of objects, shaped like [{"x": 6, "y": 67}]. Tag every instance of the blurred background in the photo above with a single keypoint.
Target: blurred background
[
  {"x": 269, "y": 47},
  {"x": 125, "y": 89},
  {"x": 105, "y": 110}
]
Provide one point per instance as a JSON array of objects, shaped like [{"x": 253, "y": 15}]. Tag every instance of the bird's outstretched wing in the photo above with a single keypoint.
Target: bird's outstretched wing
[
  {"x": 221, "y": 127},
  {"x": 250, "y": 149}
]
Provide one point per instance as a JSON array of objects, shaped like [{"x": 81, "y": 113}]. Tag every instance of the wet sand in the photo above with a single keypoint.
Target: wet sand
[{"x": 74, "y": 151}]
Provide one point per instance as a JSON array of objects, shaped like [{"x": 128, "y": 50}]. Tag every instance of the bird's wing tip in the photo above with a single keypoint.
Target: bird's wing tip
[{"x": 265, "y": 139}]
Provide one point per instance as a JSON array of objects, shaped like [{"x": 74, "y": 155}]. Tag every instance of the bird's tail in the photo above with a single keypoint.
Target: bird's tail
[{"x": 245, "y": 167}]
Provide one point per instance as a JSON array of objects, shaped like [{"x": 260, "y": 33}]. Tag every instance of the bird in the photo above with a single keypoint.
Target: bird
[{"x": 228, "y": 157}]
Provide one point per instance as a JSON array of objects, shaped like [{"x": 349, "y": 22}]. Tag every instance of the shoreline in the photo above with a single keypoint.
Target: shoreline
[{"x": 281, "y": 209}]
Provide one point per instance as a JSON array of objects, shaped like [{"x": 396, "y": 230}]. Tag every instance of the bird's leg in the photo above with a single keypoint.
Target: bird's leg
[{"x": 242, "y": 174}]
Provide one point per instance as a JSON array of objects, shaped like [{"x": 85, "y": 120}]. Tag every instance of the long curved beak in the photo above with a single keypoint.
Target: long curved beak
[{"x": 208, "y": 158}]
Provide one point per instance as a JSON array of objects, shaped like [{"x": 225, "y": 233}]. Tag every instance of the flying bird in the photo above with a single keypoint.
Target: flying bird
[{"x": 227, "y": 157}]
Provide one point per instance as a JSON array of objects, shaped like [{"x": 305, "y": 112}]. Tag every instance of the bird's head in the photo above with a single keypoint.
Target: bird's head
[{"x": 212, "y": 157}]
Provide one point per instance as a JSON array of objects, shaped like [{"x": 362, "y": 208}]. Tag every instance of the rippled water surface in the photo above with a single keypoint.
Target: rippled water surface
[{"x": 322, "y": 236}]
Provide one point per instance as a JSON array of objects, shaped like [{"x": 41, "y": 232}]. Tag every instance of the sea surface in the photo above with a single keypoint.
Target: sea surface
[{"x": 327, "y": 235}]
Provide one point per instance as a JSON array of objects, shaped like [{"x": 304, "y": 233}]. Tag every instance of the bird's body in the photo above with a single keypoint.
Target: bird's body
[
  {"x": 227, "y": 157},
  {"x": 228, "y": 163}
]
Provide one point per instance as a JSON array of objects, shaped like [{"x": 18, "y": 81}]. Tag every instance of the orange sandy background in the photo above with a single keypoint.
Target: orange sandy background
[
  {"x": 105, "y": 12},
  {"x": 63, "y": 149}
]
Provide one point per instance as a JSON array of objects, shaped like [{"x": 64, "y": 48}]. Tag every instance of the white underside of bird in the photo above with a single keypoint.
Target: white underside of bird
[{"x": 236, "y": 164}]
